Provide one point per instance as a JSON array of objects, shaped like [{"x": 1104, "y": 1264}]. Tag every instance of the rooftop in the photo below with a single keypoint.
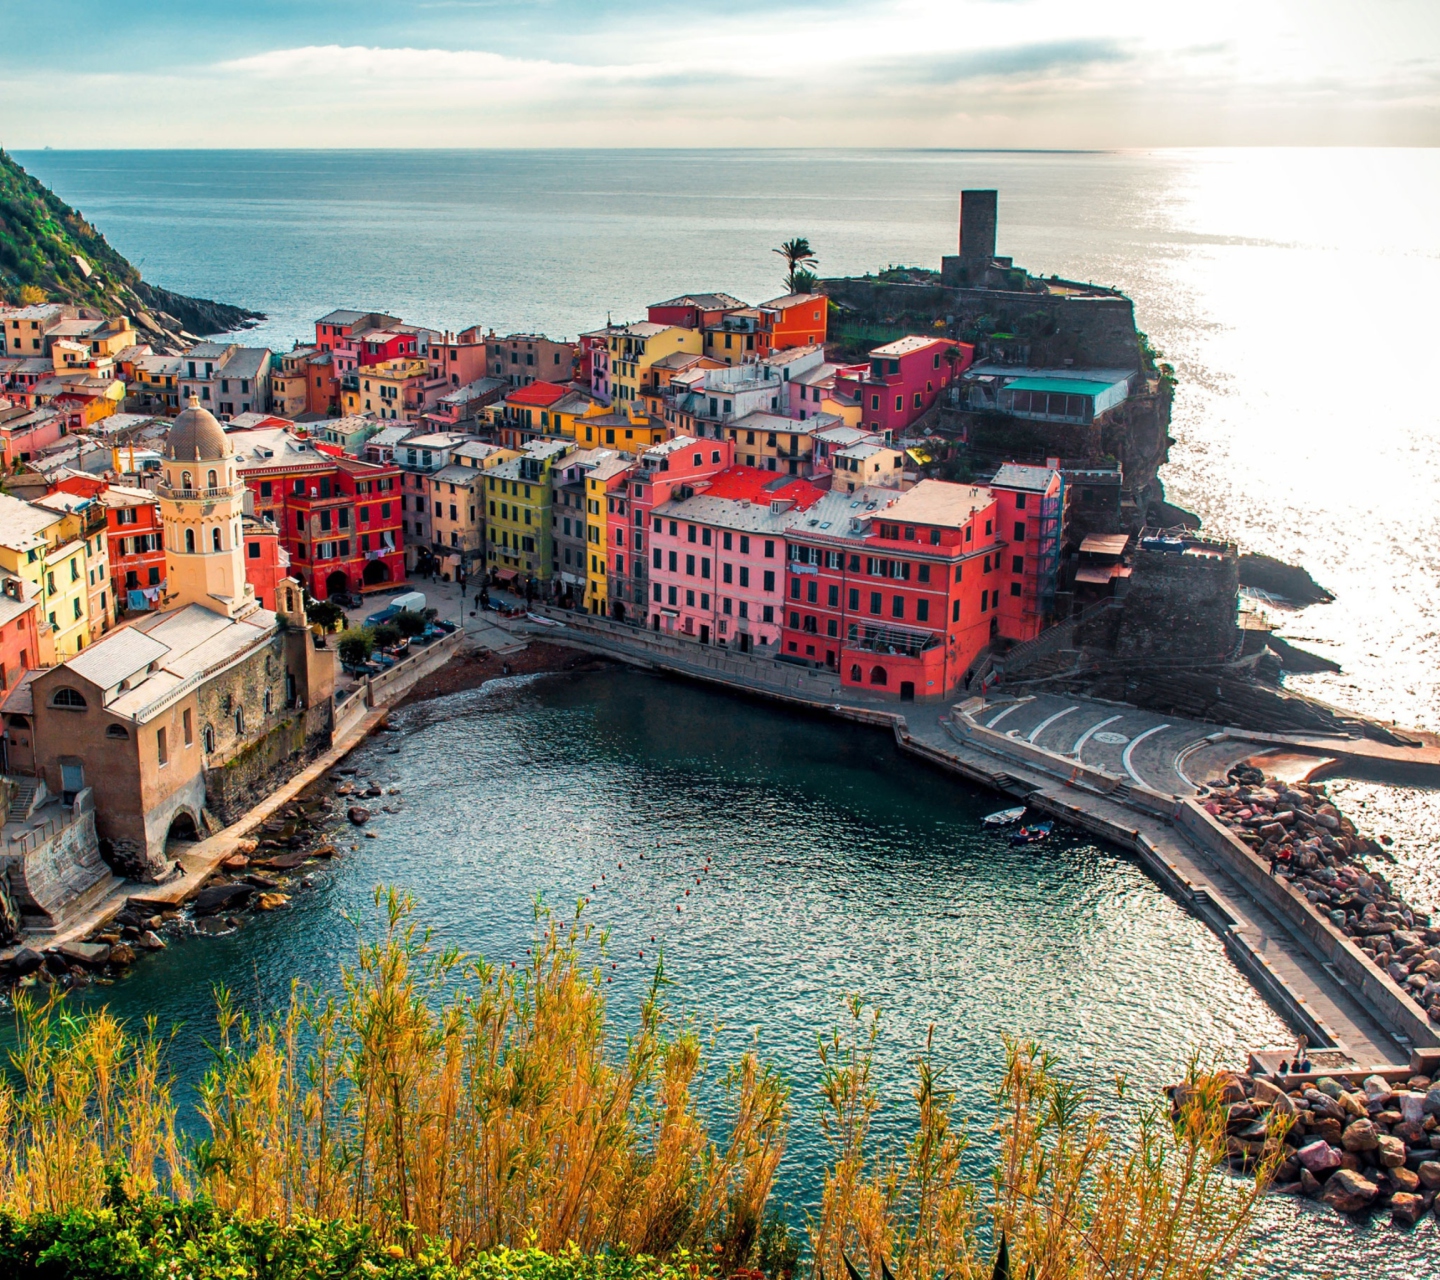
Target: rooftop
[
  {"x": 762, "y": 421},
  {"x": 22, "y": 524},
  {"x": 793, "y": 300},
  {"x": 704, "y": 301},
  {"x": 456, "y": 474},
  {"x": 905, "y": 346},
  {"x": 1018, "y": 475},
  {"x": 741, "y": 497},
  {"x": 939, "y": 502},
  {"x": 538, "y": 394},
  {"x": 1065, "y": 386},
  {"x": 844, "y": 515}
]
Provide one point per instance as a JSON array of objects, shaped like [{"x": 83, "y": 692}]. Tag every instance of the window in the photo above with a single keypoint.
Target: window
[
  {"x": 877, "y": 603},
  {"x": 899, "y": 403},
  {"x": 1017, "y": 564},
  {"x": 923, "y": 572},
  {"x": 854, "y": 598},
  {"x": 208, "y": 737},
  {"x": 922, "y": 611},
  {"x": 1019, "y": 531},
  {"x": 832, "y": 596},
  {"x": 674, "y": 562},
  {"x": 744, "y": 576},
  {"x": 689, "y": 566},
  {"x": 769, "y": 581},
  {"x": 897, "y": 607},
  {"x": 239, "y": 720},
  {"x": 1014, "y": 588},
  {"x": 767, "y": 614},
  {"x": 769, "y": 549},
  {"x": 212, "y": 481},
  {"x": 116, "y": 731},
  {"x": 215, "y": 538},
  {"x": 161, "y": 751}
]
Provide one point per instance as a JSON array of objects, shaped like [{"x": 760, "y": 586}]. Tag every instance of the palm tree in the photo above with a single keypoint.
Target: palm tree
[{"x": 797, "y": 254}]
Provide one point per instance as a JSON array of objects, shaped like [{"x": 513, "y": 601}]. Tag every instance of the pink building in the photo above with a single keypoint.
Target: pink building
[
  {"x": 459, "y": 358},
  {"x": 717, "y": 557},
  {"x": 903, "y": 380}
]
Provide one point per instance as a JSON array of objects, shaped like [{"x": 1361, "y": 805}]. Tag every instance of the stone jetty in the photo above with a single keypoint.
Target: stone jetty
[{"x": 1317, "y": 848}]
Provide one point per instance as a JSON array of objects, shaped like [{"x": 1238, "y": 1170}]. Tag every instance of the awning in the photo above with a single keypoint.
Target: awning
[
  {"x": 1105, "y": 544},
  {"x": 1096, "y": 575},
  {"x": 505, "y": 575}
]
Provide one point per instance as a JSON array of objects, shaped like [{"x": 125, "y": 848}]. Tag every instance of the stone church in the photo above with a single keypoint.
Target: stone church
[{"x": 180, "y": 722}]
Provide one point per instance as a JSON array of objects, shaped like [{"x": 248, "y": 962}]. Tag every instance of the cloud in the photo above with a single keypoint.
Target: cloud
[{"x": 1012, "y": 61}]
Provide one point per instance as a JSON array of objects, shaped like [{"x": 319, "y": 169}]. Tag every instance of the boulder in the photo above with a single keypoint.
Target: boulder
[
  {"x": 358, "y": 814},
  {"x": 236, "y": 862},
  {"x": 270, "y": 901},
  {"x": 1411, "y": 1106},
  {"x": 1390, "y": 1151},
  {"x": 1353, "y": 1105},
  {"x": 1409, "y": 1132},
  {"x": 1360, "y": 1135},
  {"x": 1403, "y": 1179},
  {"x": 93, "y": 955},
  {"x": 25, "y": 961},
  {"x": 150, "y": 941},
  {"x": 1332, "y": 1090},
  {"x": 1429, "y": 1174},
  {"x": 1432, "y": 1101},
  {"x": 1348, "y": 1192},
  {"x": 1374, "y": 1086},
  {"x": 1405, "y": 1206},
  {"x": 247, "y": 845},
  {"x": 122, "y": 955},
  {"x": 221, "y": 897},
  {"x": 1318, "y": 1158},
  {"x": 1310, "y": 1184},
  {"x": 1329, "y": 1129}
]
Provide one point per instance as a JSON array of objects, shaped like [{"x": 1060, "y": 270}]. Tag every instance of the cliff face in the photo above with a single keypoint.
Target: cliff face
[{"x": 49, "y": 252}]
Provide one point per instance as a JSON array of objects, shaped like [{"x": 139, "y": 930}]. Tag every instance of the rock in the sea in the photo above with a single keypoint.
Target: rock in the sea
[
  {"x": 236, "y": 862},
  {"x": 358, "y": 814},
  {"x": 93, "y": 955},
  {"x": 1405, "y": 1206},
  {"x": 1348, "y": 1192},
  {"x": 1360, "y": 1135},
  {"x": 1318, "y": 1158},
  {"x": 270, "y": 901},
  {"x": 221, "y": 897},
  {"x": 151, "y": 941},
  {"x": 122, "y": 954}
]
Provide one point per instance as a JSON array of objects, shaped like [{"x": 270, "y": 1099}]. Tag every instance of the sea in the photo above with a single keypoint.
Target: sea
[{"x": 1292, "y": 290}]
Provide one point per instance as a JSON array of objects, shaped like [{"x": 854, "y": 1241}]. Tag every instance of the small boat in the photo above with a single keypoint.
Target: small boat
[
  {"x": 1004, "y": 817},
  {"x": 1032, "y": 835}
]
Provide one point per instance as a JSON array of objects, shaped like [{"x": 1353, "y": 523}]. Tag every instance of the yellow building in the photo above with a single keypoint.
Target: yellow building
[
  {"x": 567, "y": 415},
  {"x": 391, "y": 389},
  {"x": 621, "y": 430},
  {"x": 457, "y": 518},
  {"x": 35, "y": 544},
  {"x": 518, "y": 501},
  {"x": 601, "y": 482},
  {"x": 85, "y": 519},
  {"x": 635, "y": 348}
]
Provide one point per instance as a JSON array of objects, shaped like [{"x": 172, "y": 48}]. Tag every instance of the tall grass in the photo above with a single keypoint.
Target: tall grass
[{"x": 442, "y": 1102}]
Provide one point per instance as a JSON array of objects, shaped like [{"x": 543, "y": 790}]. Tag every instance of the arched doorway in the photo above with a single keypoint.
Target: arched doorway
[
  {"x": 617, "y": 611},
  {"x": 376, "y": 571},
  {"x": 877, "y": 675},
  {"x": 337, "y": 584},
  {"x": 182, "y": 827}
]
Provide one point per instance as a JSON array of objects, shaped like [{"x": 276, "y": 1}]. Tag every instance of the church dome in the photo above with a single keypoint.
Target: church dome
[{"x": 195, "y": 436}]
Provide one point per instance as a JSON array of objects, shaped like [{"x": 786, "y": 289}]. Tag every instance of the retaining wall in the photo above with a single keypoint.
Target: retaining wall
[{"x": 1391, "y": 1006}]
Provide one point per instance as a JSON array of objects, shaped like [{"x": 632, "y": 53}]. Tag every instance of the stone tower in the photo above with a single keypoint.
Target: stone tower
[{"x": 201, "y": 507}]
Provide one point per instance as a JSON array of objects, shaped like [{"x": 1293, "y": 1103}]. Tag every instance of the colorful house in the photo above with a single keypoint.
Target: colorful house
[
  {"x": 898, "y": 593},
  {"x": 632, "y": 351},
  {"x": 903, "y": 380},
  {"x": 393, "y": 390},
  {"x": 525, "y": 413},
  {"x": 267, "y": 564},
  {"x": 20, "y": 644},
  {"x": 1030, "y": 517},
  {"x": 607, "y": 532},
  {"x": 717, "y": 557},
  {"x": 523, "y": 358},
  {"x": 693, "y": 310},
  {"x": 519, "y": 506},
  {"x": 459, "y": 359},
  {"x": 41, "y": 547}
]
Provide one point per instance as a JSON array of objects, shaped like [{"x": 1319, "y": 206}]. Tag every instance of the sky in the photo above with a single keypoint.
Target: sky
[{"x": 598, "y": 73}]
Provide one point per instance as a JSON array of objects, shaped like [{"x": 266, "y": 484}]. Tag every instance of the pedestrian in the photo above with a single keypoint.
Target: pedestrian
[
  {"x": 1284, "y": 856},
  {"x": 1274, "y": 859}
]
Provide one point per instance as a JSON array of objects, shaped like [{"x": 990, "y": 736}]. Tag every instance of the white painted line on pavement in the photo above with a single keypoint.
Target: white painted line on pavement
[
  {"x": 1135, "y": 742},
  {"x": 1085, "y": 737},
  {"x": 1012, "y": 707},
  {"x": 1047, "y": 722}
]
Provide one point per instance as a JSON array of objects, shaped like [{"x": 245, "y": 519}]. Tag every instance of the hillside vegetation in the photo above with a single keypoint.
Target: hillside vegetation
[{"x": 43, "y": 243}]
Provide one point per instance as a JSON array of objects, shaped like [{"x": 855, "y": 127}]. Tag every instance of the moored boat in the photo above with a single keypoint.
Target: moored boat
[
  {"x": 1004, "y": 817},
  {"x": 1032, "y": 835}
]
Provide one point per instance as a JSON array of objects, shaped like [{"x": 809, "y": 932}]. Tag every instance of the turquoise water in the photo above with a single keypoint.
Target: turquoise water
[{"x": 836, "y": 865}]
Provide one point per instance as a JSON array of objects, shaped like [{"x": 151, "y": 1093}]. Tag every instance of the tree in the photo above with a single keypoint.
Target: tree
[
  {"x": 797, "y": 254},
  {"x": 410, "y": 623},
  {"x": 386, "y": 635},
  {"x": 355, "y": 645},
  {"x": 325, "y": 614}
]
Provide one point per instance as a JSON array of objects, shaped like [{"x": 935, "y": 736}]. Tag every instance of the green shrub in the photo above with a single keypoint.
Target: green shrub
[
  {"x": 355, "y": 645},
  {"x": 386, "y": 634},
  {"x": 410, "y": 623}
]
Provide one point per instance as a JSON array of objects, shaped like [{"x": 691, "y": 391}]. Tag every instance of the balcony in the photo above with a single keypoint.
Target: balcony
[{"x": 898, "y": 642}]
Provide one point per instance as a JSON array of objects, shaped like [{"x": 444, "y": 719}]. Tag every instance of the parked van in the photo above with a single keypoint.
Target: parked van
[{"x": 413, "y": 601}]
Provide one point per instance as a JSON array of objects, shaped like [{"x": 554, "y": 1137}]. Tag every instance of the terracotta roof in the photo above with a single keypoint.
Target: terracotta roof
[{"x": 539, "y": 394}]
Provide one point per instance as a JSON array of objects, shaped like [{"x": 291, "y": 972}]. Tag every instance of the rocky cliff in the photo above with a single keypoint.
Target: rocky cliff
[{"x": 49, "y": 252}]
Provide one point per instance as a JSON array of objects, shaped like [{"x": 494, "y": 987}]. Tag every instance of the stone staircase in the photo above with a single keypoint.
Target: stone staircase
[{"x": 29, "y": 792}]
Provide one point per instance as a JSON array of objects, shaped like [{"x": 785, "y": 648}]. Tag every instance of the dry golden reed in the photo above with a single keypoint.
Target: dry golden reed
[{"x": 436, "y": 1098}]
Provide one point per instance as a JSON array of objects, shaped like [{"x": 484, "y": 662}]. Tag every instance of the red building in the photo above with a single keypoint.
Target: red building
[
  {"x": 904, "y": 379},
  {"x": 266, "y": 562},
  {"x": 19, "y": 630},
  {"x": 693, "y": 310},
  {"x": 796, "y": 320},
  {"x": 459, "y": 358},
  {"x": 1030, "y": 516},
  {"x": 898, "y": 593},
  {"x": 133, "y": 538},
  {"x": 338, "y": 519}
]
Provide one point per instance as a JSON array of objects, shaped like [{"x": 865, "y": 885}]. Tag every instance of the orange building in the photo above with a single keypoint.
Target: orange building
[
  {"x": 796, "y": 320},
  {"x": 267, "y": 564}
]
